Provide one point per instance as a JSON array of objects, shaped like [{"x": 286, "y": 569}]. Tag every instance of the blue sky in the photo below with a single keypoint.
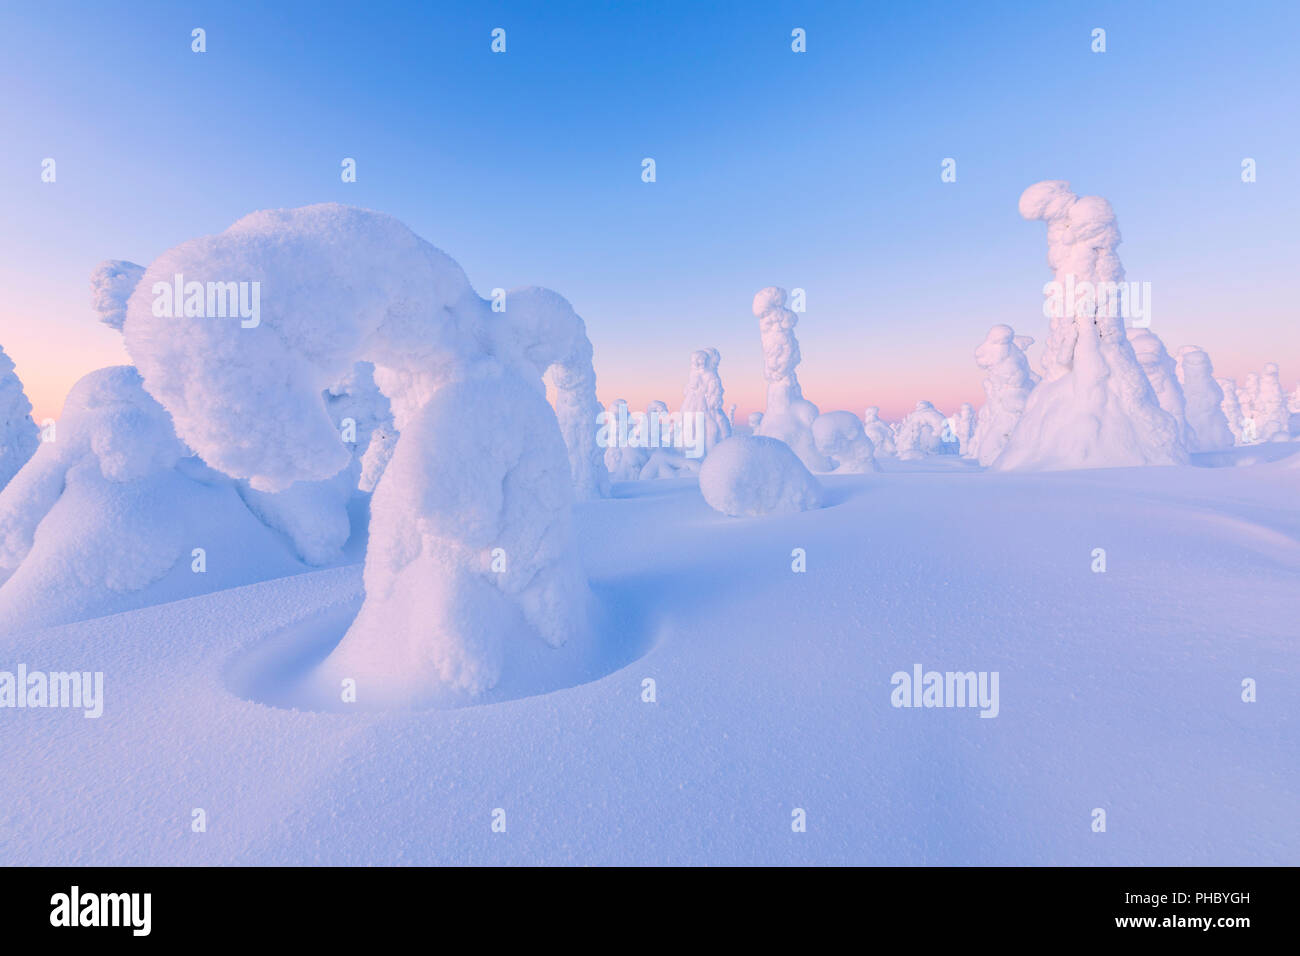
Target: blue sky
[{"x": 817, "y": 170}]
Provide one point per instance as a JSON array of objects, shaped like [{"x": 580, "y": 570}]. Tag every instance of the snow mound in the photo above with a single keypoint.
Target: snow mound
[{"x": 749, "y": 475}]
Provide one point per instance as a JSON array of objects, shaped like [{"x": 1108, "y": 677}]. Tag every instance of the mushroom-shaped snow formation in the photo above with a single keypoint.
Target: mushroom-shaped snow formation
[
  {"x": 749, "y": 475},
  {"x": 1095, "y": 407},
  {"x": 471, "y": 543},
  {"x": 921, "y": 433}
]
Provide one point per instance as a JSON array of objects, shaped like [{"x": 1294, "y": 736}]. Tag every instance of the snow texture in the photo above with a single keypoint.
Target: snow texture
[
  {"x": 1095, "y": 407},
  {"x": 750, "y": 475}
]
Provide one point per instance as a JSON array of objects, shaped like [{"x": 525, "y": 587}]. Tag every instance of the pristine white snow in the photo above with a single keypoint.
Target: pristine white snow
[
  {"x": 470, "y": 542},
  {"x": 749, "y": 475},
  {"x": 1094, "y": 407},
  {"x": 19, "y": 435},
  {"x": 772, "y": 692},
  {"x": 1206, "y": 421}
]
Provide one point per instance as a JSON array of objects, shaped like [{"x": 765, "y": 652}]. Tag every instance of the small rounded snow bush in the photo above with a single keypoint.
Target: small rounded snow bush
[{"x": 753, "y": 475}]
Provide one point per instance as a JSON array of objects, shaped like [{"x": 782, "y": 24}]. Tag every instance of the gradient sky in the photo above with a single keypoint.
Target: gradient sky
[{"x": 816, "y": 170}]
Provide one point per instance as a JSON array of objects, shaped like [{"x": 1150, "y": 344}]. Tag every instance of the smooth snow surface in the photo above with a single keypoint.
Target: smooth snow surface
[{"x": 1118, "y": 690}]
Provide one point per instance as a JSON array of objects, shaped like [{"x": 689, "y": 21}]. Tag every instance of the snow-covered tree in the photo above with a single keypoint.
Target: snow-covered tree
[
  {"x": 962, "y": 426},
  {"x": 554, "y": 338},
  {"x": 703, "y": 396},
  {"x": 1007, "y": 384},
  {"x": 19, "y": 435},
  {"x": 789, "y": 416},
  {"x": 841, "y": 439},
  {"x": 1094, "y": 407},
  {"x": 1232, "y": 411},
  {"x": 1162, "y": 372},
  {"x": 471, "y": 545},
  {"x": 1206, "y": 420},
  {"x": 921, "y": 432},
  {"x": 881, "y": 435},
  {"x": 1271, "y": 416},
  {"x": 98, "y": 518}
]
